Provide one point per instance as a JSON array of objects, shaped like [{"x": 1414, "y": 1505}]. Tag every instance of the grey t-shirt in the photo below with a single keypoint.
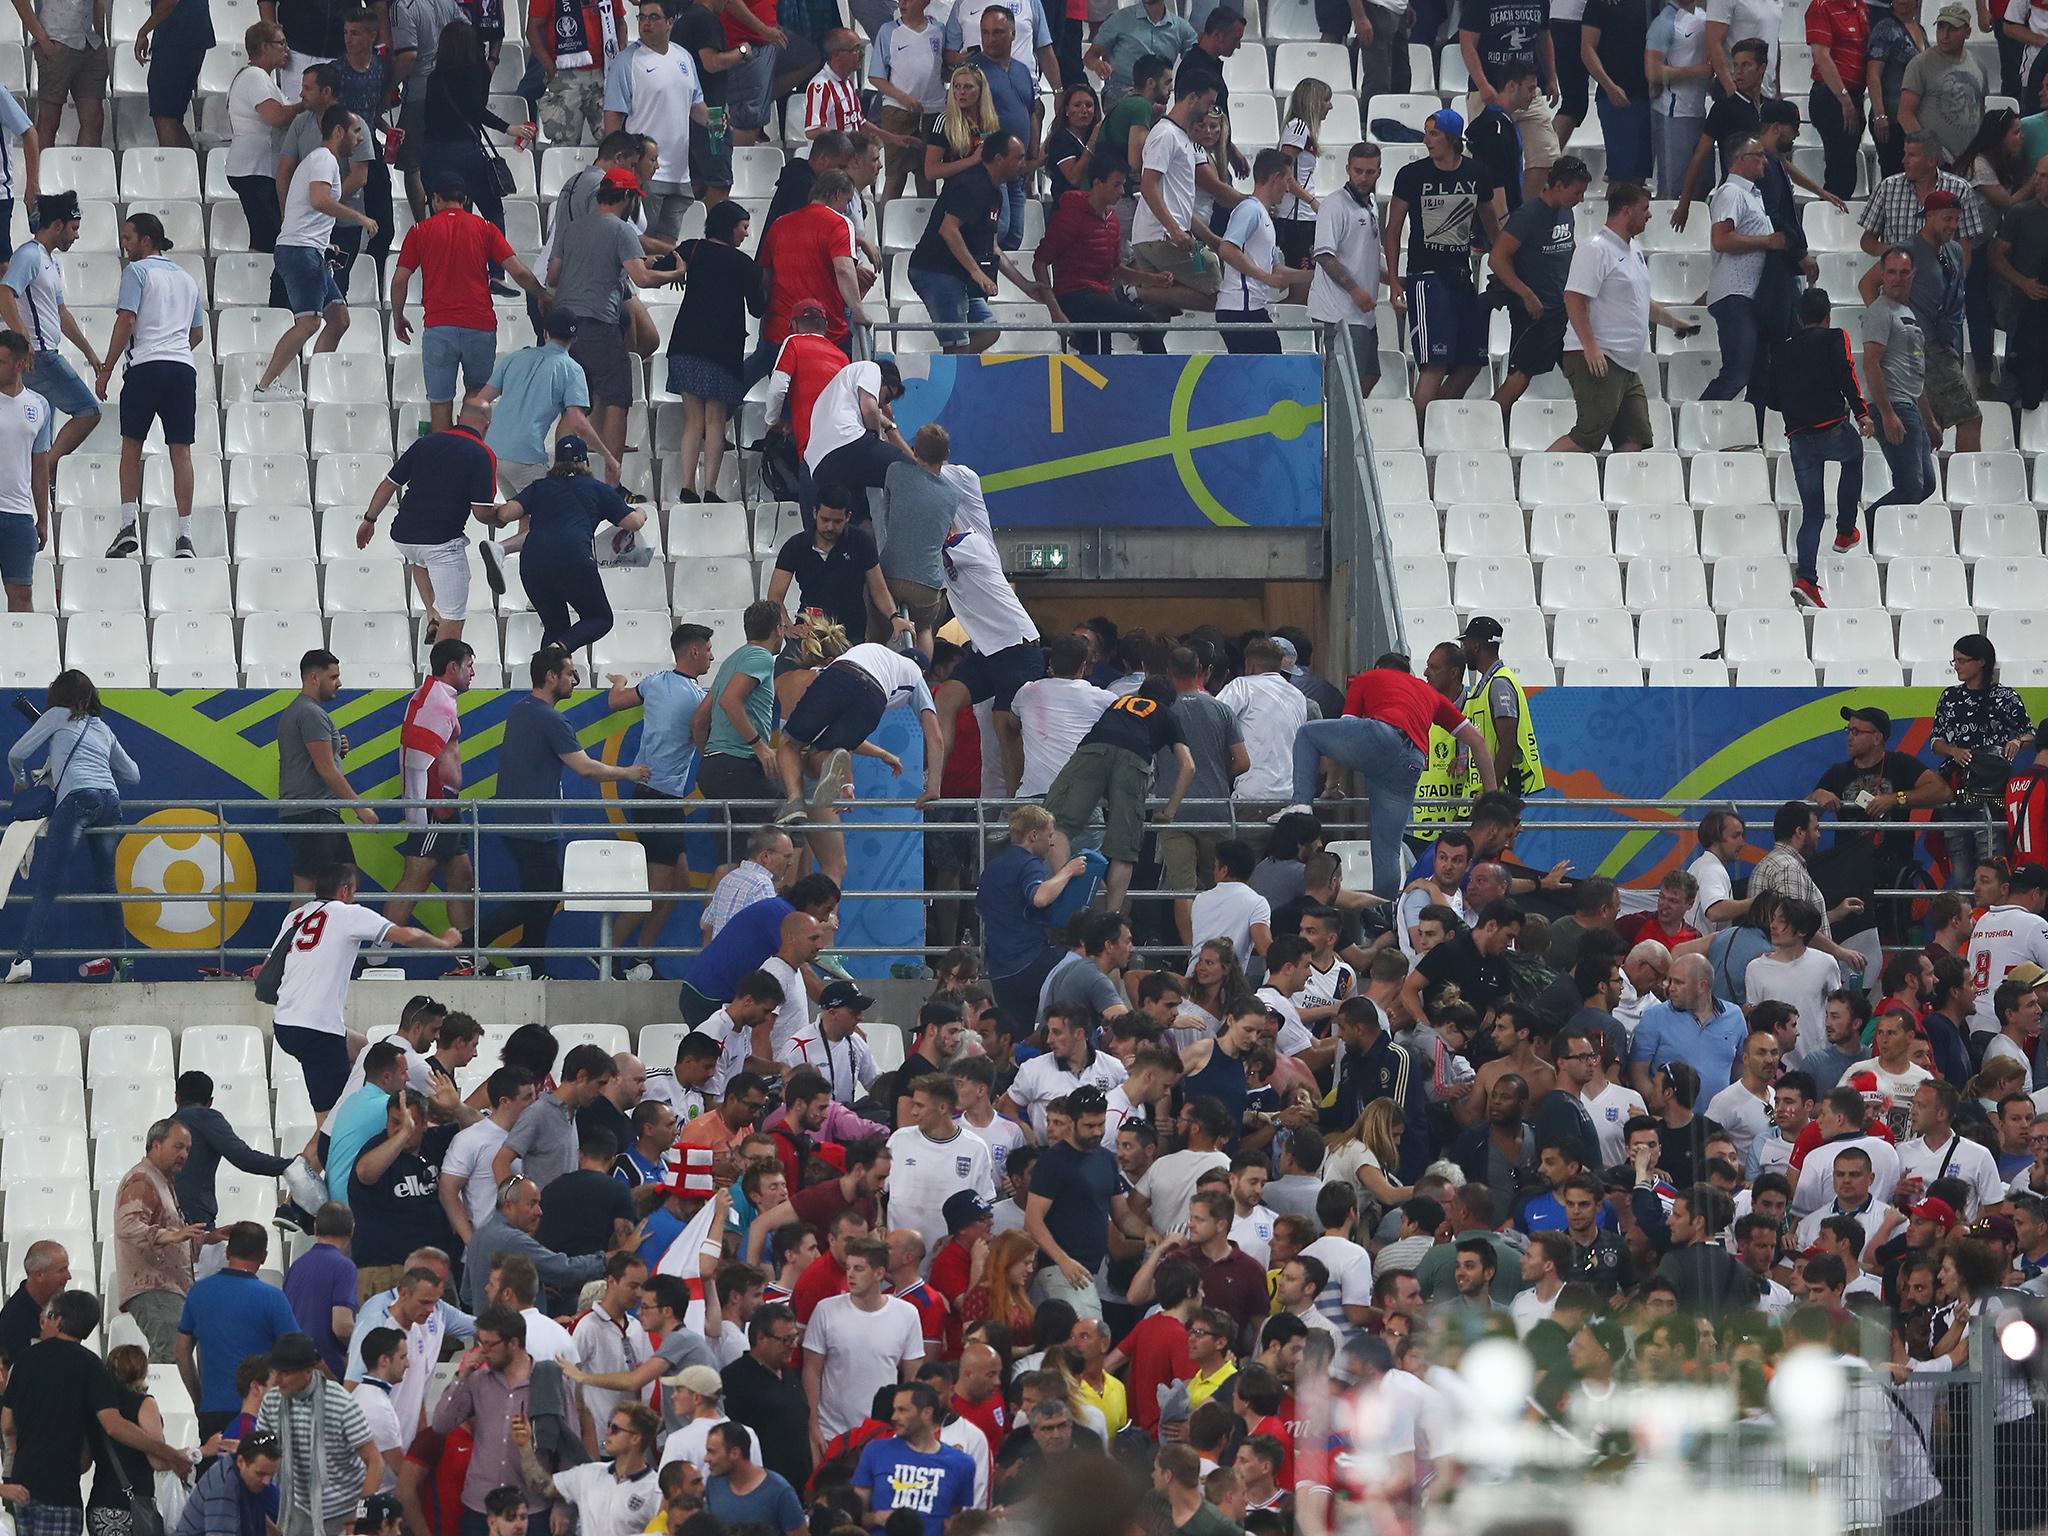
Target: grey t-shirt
[
  {"x": 417, "y": 24},
  {"x": 1893, "y": 327},
  {"x": 594, "y": 252},
  {"x": 1938, "y": 290},
  {"x": 544, "y": 1137},
  {"x": 302, "y": 723},
  {"x": 912, "y": 522},
  {"x": 1084, "y": 982},
  {"x": 1211, "y": 729},
  {"x": 1544, "y": 258},
  {"x": 71, "y": 23},
  {"x": 303, "y": 137},
  {"x": 1951, "y": 93}
]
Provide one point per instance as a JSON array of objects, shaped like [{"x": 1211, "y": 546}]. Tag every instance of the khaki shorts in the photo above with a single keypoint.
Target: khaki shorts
[
  {"x": 1948, "y": 387},
  {"x": 514, "y": 477},
  {"x": 1540, "y": 148},
  {"x": 899, "y": 161},
  {"x": 1165, "y": 256},
  {"x": 1187, "y": 860},
  {"x": 79, "y": 73},
  {"x": 1611, "y": 409},
  {"x": 925, "y": 605}
]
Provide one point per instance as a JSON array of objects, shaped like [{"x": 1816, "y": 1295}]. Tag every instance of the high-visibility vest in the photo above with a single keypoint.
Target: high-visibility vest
[
  {"x": 1529, "y": 759},
  {"x": 1446, "y": 778}
]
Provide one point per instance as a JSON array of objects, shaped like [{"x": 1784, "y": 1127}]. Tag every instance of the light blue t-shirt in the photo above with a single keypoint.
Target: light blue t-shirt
[
  {"x": 669, "y": 700},
  {"x": 13, "y": 124},
  {"x": 537, "y": 384},
  {"x": 168, "y": 307},
  {"x": 358, "y": 1121},
  {"x": 38, "y": 283}
]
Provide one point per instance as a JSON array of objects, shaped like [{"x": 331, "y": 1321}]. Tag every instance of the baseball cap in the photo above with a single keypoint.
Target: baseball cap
[
  {"x": 700, "y": 1379},
  {"x": 1482, "y": 628},
  {"x": 1448, "y": 121},
  {"x": 559, "y": 324},
  {"x": 1953, "y": 16},
  {"x": 2029, "y": 877},
  {"x": 1998, "y": 1227},
  {"x": 844, "y": 994},
  {"x": 1876, "y": 718},
  {"x": 807, "y": 309},
  {"x": 2026, "y": 973},
  {"x": 571, "y": 450},
  {"x": 619, "y": 176},
  {"x": 1940, "y": 1212},
  {"x": 963, "y": 1208},
  {"x": 1939, "y": 199}
]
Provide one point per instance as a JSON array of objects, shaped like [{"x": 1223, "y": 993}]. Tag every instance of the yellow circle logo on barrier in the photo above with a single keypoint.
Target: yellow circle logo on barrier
[{"x": 180, "y": 864}]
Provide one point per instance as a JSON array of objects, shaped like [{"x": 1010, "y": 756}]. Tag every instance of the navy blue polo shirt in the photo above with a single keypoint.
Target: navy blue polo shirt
[
  {"x": 530, "y": 758},
  {"x": 444, "y": 476}
]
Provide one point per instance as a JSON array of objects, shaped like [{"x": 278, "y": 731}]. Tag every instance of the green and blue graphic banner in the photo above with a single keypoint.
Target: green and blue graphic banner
[{"x": 1135, "y": 442}]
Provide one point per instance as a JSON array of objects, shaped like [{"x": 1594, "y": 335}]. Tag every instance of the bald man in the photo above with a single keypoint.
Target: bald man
[
  {"x": 612, "y": 1110},
  {"x": 803, "y": 940},
  {"x": 1694, "y": 1027}
]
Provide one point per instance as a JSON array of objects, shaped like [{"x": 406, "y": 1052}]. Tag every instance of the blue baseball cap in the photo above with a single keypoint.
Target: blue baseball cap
[
  {"x": 571, "y": 450},
  {"x": 1448, "y": 122}
]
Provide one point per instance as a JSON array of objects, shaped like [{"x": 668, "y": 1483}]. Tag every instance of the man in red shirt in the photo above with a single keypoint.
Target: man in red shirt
[
  {"x": 809, "y": 254},
  {"x": 1157, "y": 1349},
  {"x": 970, "y": 1222},
  {"x": 1233, "y": 1282},
  {"x": 1079, "y": 254},
  {"x": 455, "y": 249},
  {"x": 1384, "y": 735},
  {"x": 977, "y": 1395},
  {"x": 906, "y": 1283},
  {"x": 827, "y": 1274},
  {"x": 808, "y": 361},
  {"x": 1667, "y": 925}
]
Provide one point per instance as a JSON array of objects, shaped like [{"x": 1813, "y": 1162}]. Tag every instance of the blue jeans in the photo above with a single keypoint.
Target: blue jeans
[
  {"x": 1735, "y": 323},
  {"x": 1627, "y": 132},
  {"x": 949, "y": 301},
  {"x": 1389, "y": 763},
  {"x": 1811, "y": 454},
  {"x": 1910, "y": 460},
  {"x": 1010, "y": 215},
  {"x": 445, "y": 348},
  {"x": 80, "y": 811}
]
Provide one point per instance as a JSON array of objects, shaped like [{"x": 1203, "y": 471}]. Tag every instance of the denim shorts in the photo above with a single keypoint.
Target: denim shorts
[
  {"x": 442, "y": 347},
  {"x": 58, "y": 382},
  {"x": 309, "y": 283},
  {"x": 17, "y": 549},
  {"x": 949, "y": 301}
]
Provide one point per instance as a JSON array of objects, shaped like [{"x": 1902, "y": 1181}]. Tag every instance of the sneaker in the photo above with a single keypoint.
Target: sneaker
[
  {"x": 832, "y": 780},
  {"x": 1844, "y": 542},
  {"x": 689, "y": 496},
  {"x": 21, "y": 970},
  {"x": 278, "y": 393},
  {"x": 125, "y": 544},
  {"x": 433, "y": 632},
  {"x": 641, "y": 972},
  {"x": 183, "y": 550},
  {"x": 1806, "y": 594},
  {"x": 791, "y": 810},
  {"x": 307, "y": 1188},
  {"x": 493, "y": 555},
  {"x": 1289, "y": 810}
]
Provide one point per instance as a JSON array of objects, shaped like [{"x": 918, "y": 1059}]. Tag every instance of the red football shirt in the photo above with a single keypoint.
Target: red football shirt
[
  {"x": 1158, "y": 1351},
  {"x": 1407, "y": 703},
  {"x": 810, "y": 363},
  {"x": 952, "y": 1271},
  {"x": 454, "y": 249},
  {"x": 989, "y": 1416},
  {"x": 823, "y": 1279},
  {"x": 799, "y": 251}
]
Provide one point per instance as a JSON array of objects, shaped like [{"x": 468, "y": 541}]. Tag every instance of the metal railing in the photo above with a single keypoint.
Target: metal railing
[{"x": 984, "y": 820}]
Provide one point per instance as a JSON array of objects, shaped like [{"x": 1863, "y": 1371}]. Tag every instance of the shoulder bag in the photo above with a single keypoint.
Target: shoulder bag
[
  {"x": 271, "y": 977},
  {"x": 144, "y": 1518},
  {"x": 37, "y": 799}
]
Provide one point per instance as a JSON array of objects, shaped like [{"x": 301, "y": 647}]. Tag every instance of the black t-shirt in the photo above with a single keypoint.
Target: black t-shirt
[
  {"x": 1480, "y": 979},
  {"x": 1496, "y": 143},
  {"x": 835, "y": 581},
  {"x": 1682, "y": 1153},
  {"x": 578, "y": 1209},
  {"x": 971, "y": 198},
  {"x": 20, "y": 1321},
  {"x": 774, "y": 1408},
  {"x": 402, "y": 1210},
  {"x": 1065, "y": 144},
  {"x": 1508, "y": 33},
  {"x": 1895, "y": 773},
  {"x": 445, "y": 476},
  {"x": 1199, "y": 67},
  {"x": 1137, "y": 724},
  {"x": 314, "y": 26},
  {"x": 1729, "y": 119},
  {"x": 1443, "y": 215},
  {"x": 701, "y": 32},
  {"x": 602, "y": 1114},
  {"x": 1624, "y": 42},
  {"x": 1081, "y": 1186},
  {"x": 56, "y": 1394}
]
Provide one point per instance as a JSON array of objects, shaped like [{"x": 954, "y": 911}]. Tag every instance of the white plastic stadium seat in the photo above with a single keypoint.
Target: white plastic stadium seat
[
  {"x": 1467, "y": 476},
  {"x": 1851, "y": 635},
  {"x": 1678, "y": 635},
  {"x": 2010, "y": 583},
  {"x": 39, "y": 1101},
  {"x": 1482, "y": 528},
  {"x": 1982, "y": 478},
  {"x": 1599, "y": 635},
  {"x": 1489, "y": 582},
  {"x": 1765, "y": 635},
  {"x": 1572, "y": 479},
  {"x": 1570, "y": 530},
  {"x": 1992, "y": 530},
  {"x": 1637, "y": 478},
  {"x": 1581, "y": 583},
  {"x": 34, "y": 1050},
  {"x": 1666, "y": 581},
  {"x": 1925, "y": 583}
]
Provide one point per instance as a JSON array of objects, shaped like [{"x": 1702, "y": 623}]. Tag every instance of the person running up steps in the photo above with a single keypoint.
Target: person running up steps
[
  {"x": 159, "y": 322},
  {"x": 839, "y": 712}
]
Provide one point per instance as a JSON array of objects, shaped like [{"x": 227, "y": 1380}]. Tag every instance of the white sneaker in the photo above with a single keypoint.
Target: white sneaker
[
  {"x": 641, "y": 972},
  {"x": 21, "y": 970},
  {"x": 280, "y": 391}
]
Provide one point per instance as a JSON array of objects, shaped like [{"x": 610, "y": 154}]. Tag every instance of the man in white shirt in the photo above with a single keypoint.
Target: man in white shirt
[
  {"x": 32, "y": 303},
  {"x": 468, "y": 1193},
  {"x": 934, "y": 1158},
  {"x": 1852, "y": 1176},
  {"x": 25, "y": 437},
  {"x": 1347, "y": 1299},
  {"x": 312, "y": 205},
  {"x": 1714, "y": 907},
  {"x": 1162, "y": 234},
  {"x": 1231, "y": 909},
  {"x": 853, "y": 432},
  {"x": 384, "y": 1363},
  {"x": 857, "y": 1343},
  {"x": 1842, "y": 1134},
  {"x": 1055, "y": 712},
  {"x": 1343, "y": 293},
  {"x": 1937, "y": 1152},
  {"x": 1003, "y": 654},
  {"x": 1271, "y": 712},
  {"x": 1069, "y": 1062},
  {"x": 415, "y": 1309},
  {"x": 1743, "y": 237},
  {"x": 1543, "y": 1266},
  {"x": 834, "y": 1046},
  {"x": 1744, "y": 1108},
  {"x": 842, "y": 709},
  {"x": 1169, "y": 1184},
  {"x": 652, "y": 87},
  {"x": 2016, "y": 1007},
  {"x": 1611, "y": 1105},
  {"x": 159, "y": 321},
  {"x": 2009, "y": 934},
  {"x": 1252, "y": 1227},
  {"x": 1609, "y": 312},
  {"x": 609, "y": 1337},
  {"x": 1795, "y": 971}
]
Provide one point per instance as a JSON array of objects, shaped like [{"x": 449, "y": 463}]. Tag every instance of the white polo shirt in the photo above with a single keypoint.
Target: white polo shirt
[
  {"x": 1613, "y": 276},
  {"x": 1169, "y": 151},
  {"x": 607, "y": 1504},
  {"x": 24, "y": 433},
  {"x": 1715, "y": 886},
  {"x": 1957, "y": 1158}
]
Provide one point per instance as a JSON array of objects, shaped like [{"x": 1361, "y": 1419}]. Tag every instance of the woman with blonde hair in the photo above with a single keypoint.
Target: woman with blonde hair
[
  {"x": 1294, "y": 224},
  {"x": 1363, "y": 1153},
  {"x": 812, "y": 643},
  {"x": 1004, "y": 1291},
  {"x": 258, "y": 114},
  {"x": 954, "y": 143}
]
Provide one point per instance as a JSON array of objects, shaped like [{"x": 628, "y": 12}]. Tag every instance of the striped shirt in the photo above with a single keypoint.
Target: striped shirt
[
  {"x": 832, "y": 102},
  {"x": 342, "y": 1430},
  {"x": 744, "y": 884}
]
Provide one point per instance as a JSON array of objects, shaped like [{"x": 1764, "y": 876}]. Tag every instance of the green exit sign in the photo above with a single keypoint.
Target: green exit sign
[{"x": 1042, "y": 559}]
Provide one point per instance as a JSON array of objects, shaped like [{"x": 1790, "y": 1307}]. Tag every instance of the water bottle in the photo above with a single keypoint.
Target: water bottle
[{"x": 719, "y": 134}]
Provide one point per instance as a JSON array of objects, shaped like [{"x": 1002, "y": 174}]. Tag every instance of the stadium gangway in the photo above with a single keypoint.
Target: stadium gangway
[{"x": 254, "y": 821}]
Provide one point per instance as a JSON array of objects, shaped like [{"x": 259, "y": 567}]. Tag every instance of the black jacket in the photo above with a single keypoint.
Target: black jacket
[
  {"x": 1815, "y": 379},
  {"x": 1708, "y": 1278}
]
